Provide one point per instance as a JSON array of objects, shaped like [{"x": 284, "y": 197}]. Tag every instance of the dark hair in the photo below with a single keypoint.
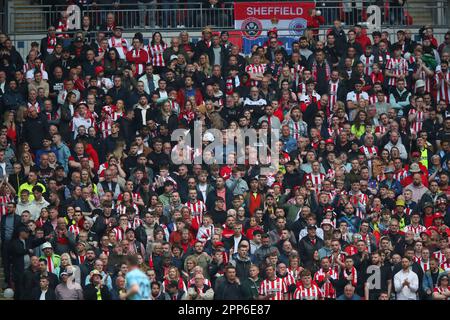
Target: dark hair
[{"x": 153, "y": 38}]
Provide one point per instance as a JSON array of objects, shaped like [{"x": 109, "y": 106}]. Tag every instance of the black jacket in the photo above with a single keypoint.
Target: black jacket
[
  {"x": 12, "y": 99},
  {"x": 90, "y": 292},
  {"x": 34, "y": 131},
  {"x": 49, "y": 295},
  {"x": 227, "y": 291},
  {"x": 307, "y": 249},
  {"x": 18, "y": 251},
  {"x": 17, "y": 223},
  {"x": 211, "y": 198},
  {"x": 223, "y": 55}
]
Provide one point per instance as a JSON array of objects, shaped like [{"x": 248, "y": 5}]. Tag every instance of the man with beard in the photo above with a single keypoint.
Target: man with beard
[{"x": 378, "y": 278}]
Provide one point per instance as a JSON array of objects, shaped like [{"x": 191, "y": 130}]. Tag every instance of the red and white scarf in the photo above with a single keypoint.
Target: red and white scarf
[
  {"x": 51, "y": 43},
  {"x": 352, "y": 273}
]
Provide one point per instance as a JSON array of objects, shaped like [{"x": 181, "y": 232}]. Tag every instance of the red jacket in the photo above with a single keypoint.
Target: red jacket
[
  {"x": 94, "y": 155},
  {"x": 363, "y": 40},
  {"x": 315, "y": 22},
  {"x": 139, "y": 59}
]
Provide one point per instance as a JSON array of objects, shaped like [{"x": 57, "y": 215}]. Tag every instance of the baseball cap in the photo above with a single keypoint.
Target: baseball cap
[
  {"x": 420, "y": 83},
  {"x": 329, "y": 141},
  {"x": 388, "y": 170},
  {"x": 438, "y": 215},
  {"x": 427, "y": 232},
  {"x": 95, "y": 272},
  {"x": 427, "y": 204},
  {"x": 414, "y": 168},
  {"x": 47, "y": 245},
  {"x": 312, "y": 227},
  {"x": 400, "y": 202},
  {"x": 173, "y": 57},
  {"x": 99, "y": 69},
  {"x": 219, "y": 244},
  {"x": 326, "y": 221}
]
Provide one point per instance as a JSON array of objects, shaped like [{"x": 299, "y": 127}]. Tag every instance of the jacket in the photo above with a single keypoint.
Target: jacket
[
  {"x": 49, "y": 295},
  {"x": 242, "y": 266},
  {"x": 16, "y": 224},
  {"x": 147, "y": 88},
  {"x": 90, "y": 293},
  {"x": 250, "y": 288},
  {"x": 211, "y": 199},
  {"x": 18, "y": 251},
  {"x": 427, "y": 282},
  {"x": 35, "y": 131},
  {"x": 306, "y": 249},
  {"x": 12, "y": 99}
]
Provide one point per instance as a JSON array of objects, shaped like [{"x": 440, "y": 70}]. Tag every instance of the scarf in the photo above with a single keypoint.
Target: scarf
[
  {"x": 353, "y": 274},
  {"x": 51, "y": 42},
  {"x": 123, "y": 44},
  {"x": 314, "y": 70}
]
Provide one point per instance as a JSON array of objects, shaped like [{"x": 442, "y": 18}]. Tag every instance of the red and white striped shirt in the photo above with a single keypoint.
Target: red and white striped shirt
[
  {"x": 121, "y": 46},
  {"x": 197, "y": 210},
  {"x": 122, "y": 209},
  {"x": 74, "y": 229},
  {"x": 446, "y": 266},
  {"x": 416, "y": 230},
  {"x": 288, "y": 280},
  {"x": 416, "y": 124},
  {"x": 253, "y": 68},
  {"x": 368, "y": 63},
  {"x": 105, "y": 127},
  {"x": 397, "y": 67},
  {"x": 401, "y": 174},
  {"x": 332, "y": 91},
  {"x": 327, "y": 287},
  {"x": 134, "y": 195},
  {"x": 294, "y": 272},
  {"x": 119, "y": 232},
  {"x": 381, "y": 129},
  {"x": 368, "y": 151},
  {"x": 311, "y": 293},
  {"x": 441, "y": 290},
  {"x": 156, "y": 53},
  {"x": 316, "y": 179},
  {"x": 4, "y": 200},
  {"x": 443, "y": 92},
  {"x": 440, "y": 256},
  {"x": 276, "y": 287}
]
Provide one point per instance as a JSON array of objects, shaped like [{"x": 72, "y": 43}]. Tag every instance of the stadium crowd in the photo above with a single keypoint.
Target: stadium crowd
[{"x": 357, "y": 208}]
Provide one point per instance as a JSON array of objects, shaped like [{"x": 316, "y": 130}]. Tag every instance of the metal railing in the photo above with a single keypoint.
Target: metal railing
[{"x": 195, "y": 16}]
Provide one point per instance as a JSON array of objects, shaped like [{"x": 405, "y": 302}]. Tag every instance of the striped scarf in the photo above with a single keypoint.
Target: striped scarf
[{"x": 314, "y": 70}]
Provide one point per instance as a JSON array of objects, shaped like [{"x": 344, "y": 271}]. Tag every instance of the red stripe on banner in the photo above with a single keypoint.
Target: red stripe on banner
[{"x": 270, "y": 10}]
